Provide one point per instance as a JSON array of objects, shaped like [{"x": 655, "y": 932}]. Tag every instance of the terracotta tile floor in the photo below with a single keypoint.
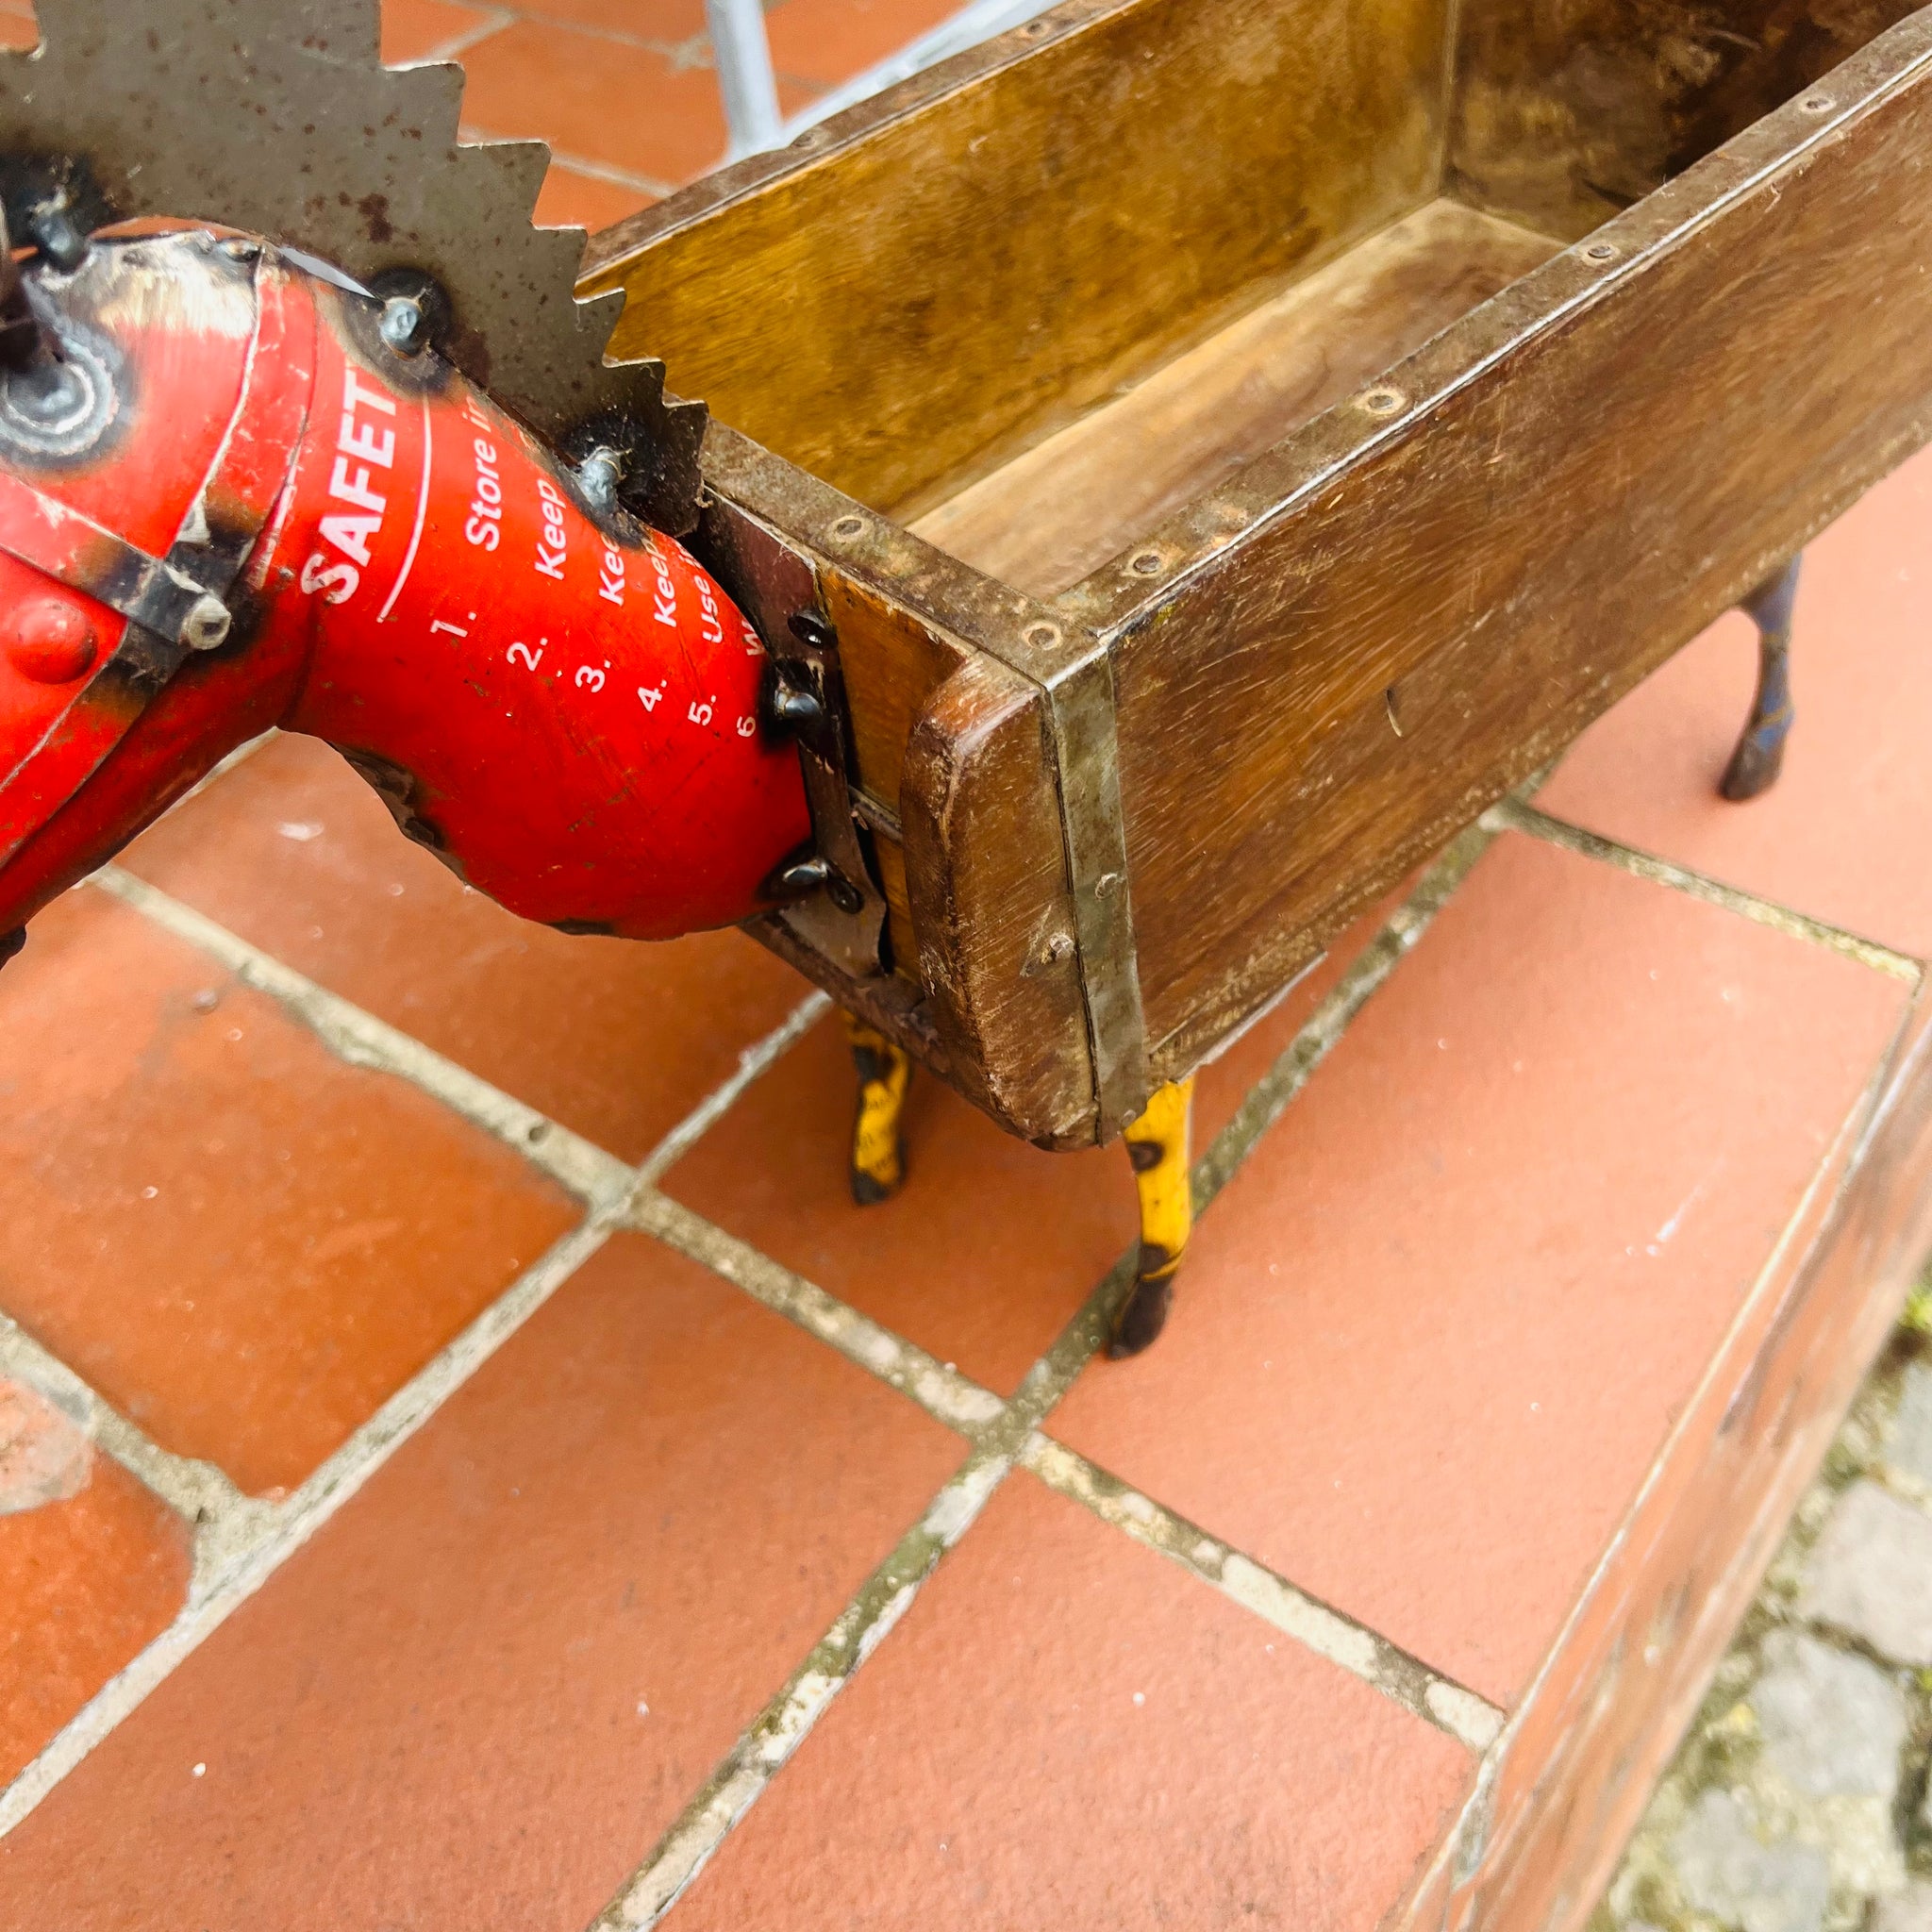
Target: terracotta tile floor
[{"x": 458, "y": 1444}]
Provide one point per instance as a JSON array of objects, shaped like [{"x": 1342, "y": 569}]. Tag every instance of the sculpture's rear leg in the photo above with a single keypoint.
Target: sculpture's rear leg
[
  {"x": 1761, "y": 752},
  {"x": 1157, "y": 1142},
  {"x": 878, "y": 1147}
]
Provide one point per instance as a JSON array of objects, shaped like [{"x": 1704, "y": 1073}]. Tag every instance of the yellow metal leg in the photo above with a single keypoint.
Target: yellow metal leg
[
  {"x": 1159, "y": 1145},
  {"x": 878, "y": 1151}
]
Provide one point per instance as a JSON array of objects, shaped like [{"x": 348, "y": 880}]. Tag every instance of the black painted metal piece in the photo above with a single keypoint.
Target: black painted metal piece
[{"x": 1761, "y": 753}]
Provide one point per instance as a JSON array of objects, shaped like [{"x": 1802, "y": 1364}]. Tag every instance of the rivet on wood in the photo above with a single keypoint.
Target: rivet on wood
[
  {"x": 1148, "y": 563},
  {"x": 1602, "y": 251},
  {"x": 1046, "y": 636},
  {"x": 1383, "y": 402}
]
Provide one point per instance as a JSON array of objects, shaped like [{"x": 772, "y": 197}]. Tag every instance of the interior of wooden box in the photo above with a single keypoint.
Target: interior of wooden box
[
  {"x": 1544, "y": 144},
  {"x": 1043, "y": 312},
  {"x": 1046, "y": 518}
]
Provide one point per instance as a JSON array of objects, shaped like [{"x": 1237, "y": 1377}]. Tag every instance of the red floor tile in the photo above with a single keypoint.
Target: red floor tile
[
  {"x": 243, "y": 1244},
  {"x": 91, "y": 1568},
  {"x": 416, "y": 29},
  {"x": 668, "y": 22},
  {"x": 993, "y": 1244},
  {"x": 830, "y": 41},
  {"x": 1066, "y": 1730},
  {"x": 1843, "y": 835},
  {"x": 1434, "y": 1332},
  {"x": 571, "y": 199},
  {"x": 982, "y": 1256},
  {"x": 1225, "y": 1082},
  {"x": 616, "y": 1039},
  {"x": 610, "y": 102},
  {"x": 659, "y": 1495}
]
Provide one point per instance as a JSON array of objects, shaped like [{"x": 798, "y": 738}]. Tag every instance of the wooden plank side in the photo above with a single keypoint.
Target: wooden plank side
[
  {"x": 1568, "y": 110},
  {"x": 1567, "y": 1781},
  {"x": 1588, "y": 472},
  {"x": 1046, "y": 519},
  {"x": 953, "y": 753},
  {"x": 910, "y": 298},
  {"x": 986, "y": 867}
]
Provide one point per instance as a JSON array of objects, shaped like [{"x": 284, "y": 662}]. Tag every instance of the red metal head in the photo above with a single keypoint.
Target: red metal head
[{"x": 228, "y": 500}]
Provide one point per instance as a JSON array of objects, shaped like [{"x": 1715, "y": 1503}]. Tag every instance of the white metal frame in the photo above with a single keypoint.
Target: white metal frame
[{"x": 743, "y": 57}]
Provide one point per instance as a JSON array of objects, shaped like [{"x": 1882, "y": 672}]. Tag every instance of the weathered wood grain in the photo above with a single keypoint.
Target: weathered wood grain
[
  {"x": 953, "y": 753},
  {"x": 1579, "y": 478},
  {"x": 1568, "y": 110},
  {"x": 1046, "y": 519},
  {"x": 986, "y": 867},
  {"x": 930, "y": 287}
]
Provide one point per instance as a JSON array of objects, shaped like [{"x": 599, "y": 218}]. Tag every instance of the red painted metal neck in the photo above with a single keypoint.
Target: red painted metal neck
[{"x": 561, "y": 704}]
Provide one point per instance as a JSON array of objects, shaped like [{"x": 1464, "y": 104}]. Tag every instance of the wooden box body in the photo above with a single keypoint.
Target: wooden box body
[{"x": 1236, "y": 440}]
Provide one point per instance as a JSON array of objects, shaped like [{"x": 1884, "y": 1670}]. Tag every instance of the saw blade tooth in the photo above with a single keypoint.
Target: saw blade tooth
[
  {"x": 427, "y": 98},
  {"x": 277, "y": 117},
  {"x": 515, "y": 170}
]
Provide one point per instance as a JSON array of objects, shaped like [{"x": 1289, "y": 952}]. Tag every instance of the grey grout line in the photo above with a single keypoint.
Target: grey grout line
[
  {"x": 1470, "y": 1719},
  {"x": 266, "y": 1536},
  {"x": 240, "y": 1541},
  {"x": 458, "y": 44},
  {"x": 363, "y": 1040},
  {"x": 752, "y": 1063},
  {"x": 583, "y": 165},
  {"x": 788, "y": 1720},
  {"x": 195, "y": 1490},
  {"x": 767, "y": 1744},
  {"x": 1514, "y": 815},
  {"x": 1000, "y": 1432},
  {"x": 1324, "y": 1026},
  {"x": 942, "y": 1391},
  {"x": 1009, "y": 1434}
]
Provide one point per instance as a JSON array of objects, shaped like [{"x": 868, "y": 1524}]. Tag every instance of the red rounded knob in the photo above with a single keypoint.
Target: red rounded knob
[{"x": 49, "y": 639}]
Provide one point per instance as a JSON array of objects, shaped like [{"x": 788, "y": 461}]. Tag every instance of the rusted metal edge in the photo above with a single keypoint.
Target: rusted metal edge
[
  {"x": 1071, "y": 668},
  {"x": 1117, "y": 598},
  {"x": 1082, "y": 715}
]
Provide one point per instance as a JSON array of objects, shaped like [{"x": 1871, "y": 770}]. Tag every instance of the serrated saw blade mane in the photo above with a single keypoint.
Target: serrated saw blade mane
[{"x": 279, "y": 117}]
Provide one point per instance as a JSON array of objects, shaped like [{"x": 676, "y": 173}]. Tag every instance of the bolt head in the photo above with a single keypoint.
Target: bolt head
[
  {"x": 405, "y": 327},
  {"x": 207, "y": 625},
  {"x": 49, "y": 639}
]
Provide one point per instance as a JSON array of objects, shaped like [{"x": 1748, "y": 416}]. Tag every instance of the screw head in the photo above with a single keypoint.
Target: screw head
[
  {"x": 59, "y": 239},
  {"x": 404, "y": 327},
  {"x": 599, "y": 475},
  {"x": 49, "y": 639},
  {"x": 207, "y": 625}
]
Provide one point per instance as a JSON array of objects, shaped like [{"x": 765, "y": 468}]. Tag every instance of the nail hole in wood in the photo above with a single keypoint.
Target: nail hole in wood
[
  {"x": 1148, "y": 563},
  {"x": 1383, "y": 402},
  {"x": 848, "y": 528},
  {"x": 1043, "y": 635}
]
